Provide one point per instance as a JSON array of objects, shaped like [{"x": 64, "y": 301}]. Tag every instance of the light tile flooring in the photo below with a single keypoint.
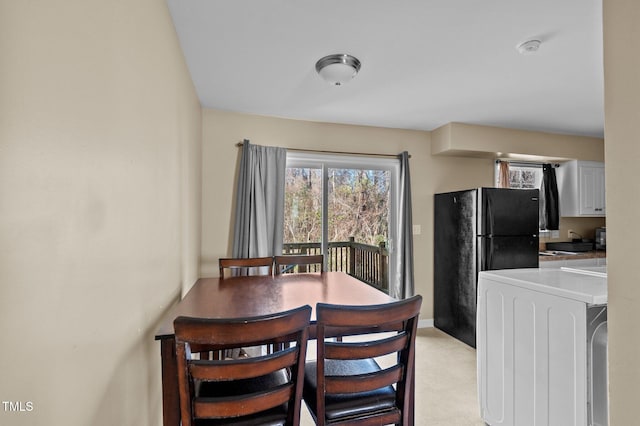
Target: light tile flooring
[{"x": 446, "y": 390}]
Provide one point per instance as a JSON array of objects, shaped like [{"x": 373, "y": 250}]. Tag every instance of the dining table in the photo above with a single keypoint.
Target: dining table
[{"x": 248, "y": 296}]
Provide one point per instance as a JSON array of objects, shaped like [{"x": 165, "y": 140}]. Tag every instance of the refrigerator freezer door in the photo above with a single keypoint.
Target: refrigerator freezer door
[
  {"x": 508, "y": 252},
  {"x": 508, "y": 211},
  {"x": 455, "y": 266}
]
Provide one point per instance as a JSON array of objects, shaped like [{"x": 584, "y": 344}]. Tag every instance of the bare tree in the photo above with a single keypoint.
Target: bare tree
[{"x": 358, "y": 205}]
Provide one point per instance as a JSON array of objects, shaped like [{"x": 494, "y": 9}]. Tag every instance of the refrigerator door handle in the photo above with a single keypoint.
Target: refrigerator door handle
[{"x": 489, "y": 224}]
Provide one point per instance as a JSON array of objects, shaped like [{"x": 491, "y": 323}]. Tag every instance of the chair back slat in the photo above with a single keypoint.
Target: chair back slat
[
  {"x": 242, "y": 406},
  {"x": 379, "y": 316},
  {"x": 233, "y": 332},
  {"x": 368, "y": 349},
  {"x": 244, "y": 368},
  {"x": 363, "y": 382}
]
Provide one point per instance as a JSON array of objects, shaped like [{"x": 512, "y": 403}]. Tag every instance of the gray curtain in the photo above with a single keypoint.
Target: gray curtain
[
  {"x": 402, "y": 286},
  {"x": 259, "y": 201},
  {"x": 549, "y": 209}
]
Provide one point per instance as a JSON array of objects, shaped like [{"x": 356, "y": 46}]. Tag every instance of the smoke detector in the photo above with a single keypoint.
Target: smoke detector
[{"x": 528, "y": 47}]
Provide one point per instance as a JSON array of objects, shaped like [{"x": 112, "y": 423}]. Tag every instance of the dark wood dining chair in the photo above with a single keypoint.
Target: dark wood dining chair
[
  {"x": 345, "y": 385},
  {"x": 246, "y": 266},
  {"x": 259, "y": 390},
  {"x": 290, "y": 263}
]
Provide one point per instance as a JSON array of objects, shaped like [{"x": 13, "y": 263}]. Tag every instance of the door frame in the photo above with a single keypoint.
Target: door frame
[{"x": 325, "y": 161}]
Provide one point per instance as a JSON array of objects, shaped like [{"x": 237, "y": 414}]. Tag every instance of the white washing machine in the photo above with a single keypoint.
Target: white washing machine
[{"x": 542, "y": 347}]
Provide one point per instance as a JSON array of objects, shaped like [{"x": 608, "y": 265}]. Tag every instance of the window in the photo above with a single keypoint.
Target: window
[
  {"x": 522, "y": 175},
  {"x": 343, "y": 207}
]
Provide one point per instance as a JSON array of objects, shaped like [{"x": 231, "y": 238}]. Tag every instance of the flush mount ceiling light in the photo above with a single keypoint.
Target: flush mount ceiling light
[
  {"x": 528, "y": 47},
  {"x": 338, "y": 69}
]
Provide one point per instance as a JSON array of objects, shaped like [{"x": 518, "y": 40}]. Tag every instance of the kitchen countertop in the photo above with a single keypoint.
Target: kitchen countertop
[
  {"x": 595, "y": 254},
  {"x": 587, "y": 285}
]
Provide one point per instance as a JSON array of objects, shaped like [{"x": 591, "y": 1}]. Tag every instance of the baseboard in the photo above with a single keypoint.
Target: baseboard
[{"x": 425, "y": 323}]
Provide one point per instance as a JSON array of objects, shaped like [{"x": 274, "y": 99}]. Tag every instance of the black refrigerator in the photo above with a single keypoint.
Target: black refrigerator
[{"x": 477, "y": 230}]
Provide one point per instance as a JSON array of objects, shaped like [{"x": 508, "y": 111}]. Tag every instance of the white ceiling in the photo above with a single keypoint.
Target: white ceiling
[{"x": 425, "y": 63}]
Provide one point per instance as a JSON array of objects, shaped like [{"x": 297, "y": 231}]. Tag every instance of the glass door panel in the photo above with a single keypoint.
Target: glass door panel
[
  {"x": 343, "y": 207},
  {"x": 303, "y": 211},
  {"x": 358, "y": 223}
]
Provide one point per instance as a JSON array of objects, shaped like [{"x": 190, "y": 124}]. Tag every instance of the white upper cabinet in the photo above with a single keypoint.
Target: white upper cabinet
[{"x": 581, "y": 189}]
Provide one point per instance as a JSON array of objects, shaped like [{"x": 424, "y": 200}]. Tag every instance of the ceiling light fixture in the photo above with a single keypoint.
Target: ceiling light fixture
[
  {"x": 528, "y": 47},
  {"x": 338, "y": 69}
]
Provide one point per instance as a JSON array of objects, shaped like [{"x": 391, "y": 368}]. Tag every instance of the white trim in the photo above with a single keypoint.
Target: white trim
[{"x": 305, "y": 159}]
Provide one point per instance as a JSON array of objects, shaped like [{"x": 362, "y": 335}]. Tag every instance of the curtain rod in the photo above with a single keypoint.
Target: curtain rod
[
  {"x": 525, "y": 162},
  {"x": 319, "y": 151}
]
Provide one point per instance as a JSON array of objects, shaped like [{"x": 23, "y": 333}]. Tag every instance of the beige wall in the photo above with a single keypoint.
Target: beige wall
[
  {"x": 622, "y": 142},
  {"x": 222, "y": 130},
  {"x": 491, "y": 142},
  {"x": 429, "y": 175},
  {"x": 100, "y": 134}
]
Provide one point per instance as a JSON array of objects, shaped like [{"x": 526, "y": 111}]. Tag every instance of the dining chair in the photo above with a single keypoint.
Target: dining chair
[
  {"x": 259, "y": 390},
  {"x": 345, "y": 384},
  {"x": 246, "y": 266},
  {"x": 290, "y": 263}
]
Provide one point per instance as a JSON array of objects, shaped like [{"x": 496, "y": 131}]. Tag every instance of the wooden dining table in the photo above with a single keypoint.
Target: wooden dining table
[{"x": 252, "y": 296}]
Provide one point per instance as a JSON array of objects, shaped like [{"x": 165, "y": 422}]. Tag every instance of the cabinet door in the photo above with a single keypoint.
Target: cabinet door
[
  {"x": 592, "y": 195},
  {"x": 581, "y": 189}
]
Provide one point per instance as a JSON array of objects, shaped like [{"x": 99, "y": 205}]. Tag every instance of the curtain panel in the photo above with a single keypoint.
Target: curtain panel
[
  {"x": 259, "y": 213},
  {"x": 503, "y": 174},
  {"x": 402, "y": 286}
]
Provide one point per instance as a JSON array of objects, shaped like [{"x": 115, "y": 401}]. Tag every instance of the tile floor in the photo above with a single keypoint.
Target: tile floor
[{"x": 446, "y": 390}]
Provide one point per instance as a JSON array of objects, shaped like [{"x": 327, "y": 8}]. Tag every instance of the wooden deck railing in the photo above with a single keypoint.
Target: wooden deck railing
[{"x": 366, "y": 262}]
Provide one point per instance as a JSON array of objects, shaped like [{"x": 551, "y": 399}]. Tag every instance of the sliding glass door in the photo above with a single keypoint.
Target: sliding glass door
[{"x": 343, "y": 207}]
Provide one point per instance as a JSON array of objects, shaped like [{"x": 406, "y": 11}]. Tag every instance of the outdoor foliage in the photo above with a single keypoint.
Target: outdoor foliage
[
  {"x": 358, "y": 205},
  {"x": 524, "y": 177}
]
